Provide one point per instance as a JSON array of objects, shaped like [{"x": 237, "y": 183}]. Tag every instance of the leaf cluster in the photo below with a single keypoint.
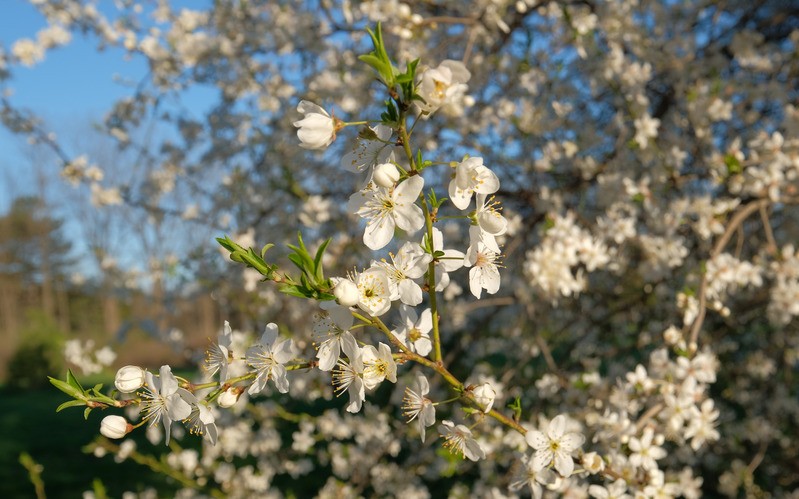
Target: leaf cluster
[{"x": 91, "y": 398}]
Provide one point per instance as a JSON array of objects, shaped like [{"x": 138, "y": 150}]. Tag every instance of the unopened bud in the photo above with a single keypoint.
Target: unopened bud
[
  {"x": 484, "y": 395},
  {"x": 229, "y": 397},
  {"x": 129, "y": 379},
  {"x": 346, "y": 293},
  {"x": 593, "y": 463},
  {"x": 386, "y": 175},
  {"x": 114, "y": 427}
]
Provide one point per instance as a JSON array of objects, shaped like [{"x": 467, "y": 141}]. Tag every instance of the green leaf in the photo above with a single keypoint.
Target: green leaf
[
  {"x": 86, "y": 413},
  {"x": 317, "y": 261},
  {"x": 73, "y": 381},
  {"x": 70, "y": 403},
  {"x": 68, "y": 389}
]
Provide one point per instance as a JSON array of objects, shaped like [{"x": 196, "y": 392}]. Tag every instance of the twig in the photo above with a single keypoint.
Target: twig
[{"x": 735, "y": 222}]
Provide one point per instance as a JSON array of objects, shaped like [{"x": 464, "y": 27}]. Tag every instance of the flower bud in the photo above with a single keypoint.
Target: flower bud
[
  {"x": 346, "y": 293},
  {"x": 593, "y": 463},
  {"x": 386, "y": 175},
  {"x": 484, "y": 395},
  {"x": 229, "y": 397},
  {"x": 114, "y": 427},
  {"x": 129, "y": 379}
]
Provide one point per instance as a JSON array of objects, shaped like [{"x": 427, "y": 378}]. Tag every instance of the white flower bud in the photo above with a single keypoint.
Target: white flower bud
[
  {"x": 484, "y": 395},
  {"x": 386, "y": 175},
  {"x": 317, "y": 129},
  {"x": 346, "y": 292},
  {"x": 229, "y": 397},
  {"x": 593, "y": 463},
  {"x": 114, "y": 427},
  {"x": 129, "y": 379}
]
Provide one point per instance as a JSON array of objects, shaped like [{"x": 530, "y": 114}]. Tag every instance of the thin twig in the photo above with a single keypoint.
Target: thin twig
[{"x": 735, "y": 222}]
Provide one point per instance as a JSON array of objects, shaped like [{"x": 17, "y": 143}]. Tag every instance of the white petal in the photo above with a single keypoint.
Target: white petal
[
  {"x": 306, "y": 107},
  {"x": 379, "y": 233},
  {"x": 571, "y": 441},
  {"x": 536, "y": 440},
  {"x": 475, "y": 282},
  {"x": 328, "y": 354},
  {"x": 410, "y": 293},
  {"x": 459, "y": 198},
  {"x": 557, "y": 427},
  {"x": 564, "y": 464},
  {"x": 409, "y": 218}
]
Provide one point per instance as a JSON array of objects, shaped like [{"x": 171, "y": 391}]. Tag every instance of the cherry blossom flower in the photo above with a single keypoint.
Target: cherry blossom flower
[
  {"x": 268, "y": 357},
  {"x": 555, "y": 444},
  {"x": 417, "y": 406},
  {"x": 414, "y": 330},
  {"x": 458, "y": 439},
  {"x": 484, "y": 272},
  {"x": 163, "y": 400},
  {"x": 373, "y": 148},
  {"x": 330, "y": 328},
  {"x": 201, "y": 421},
  {"x": 317, "y": 129},
  {"x": 470, "y": 177},
  {"x": 384, "y": 209},
  {"x": 378, "y": 365},
  {"x": 410, "y": 262},
  {"x": 349, "y": 374},
  {"x": 488, "y": 216},
  {"x": 442, "y": 86},
  {"x": 374, "y": 291},
  {"x": 218, "y": 355},
  {"x": 450, "y": 262}
]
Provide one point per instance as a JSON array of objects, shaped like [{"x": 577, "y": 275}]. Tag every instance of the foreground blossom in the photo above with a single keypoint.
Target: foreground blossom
[
  {"x": 484, "y": 272},
  {"x": 471, "y": 177},
  {"x": 218, "y": 355},
  {"x": 417, "y": 406},
  {"x": 268, "y": 358},
  {"x": 386, "y": 209},
  {"x": 378, "y": 365},
  {"x": 348, "y": 376},
  {"x": 414, "y": 330},
  {"x": 374, "y": 291},
  {"x": 329, "y": 329},
  {"x": 459, "y": 440},
  {"x": 163, "y": 400}
]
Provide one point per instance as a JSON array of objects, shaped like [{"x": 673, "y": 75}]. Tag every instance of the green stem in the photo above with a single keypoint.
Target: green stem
[{"x": 431, "y": 285}]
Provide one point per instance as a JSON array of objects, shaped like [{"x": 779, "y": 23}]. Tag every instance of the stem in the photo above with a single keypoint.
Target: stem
[{"x": 431, "y": 284}]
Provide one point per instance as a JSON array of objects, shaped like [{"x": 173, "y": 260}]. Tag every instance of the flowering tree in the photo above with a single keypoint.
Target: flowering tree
[{"x": 631, "y": 303}]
